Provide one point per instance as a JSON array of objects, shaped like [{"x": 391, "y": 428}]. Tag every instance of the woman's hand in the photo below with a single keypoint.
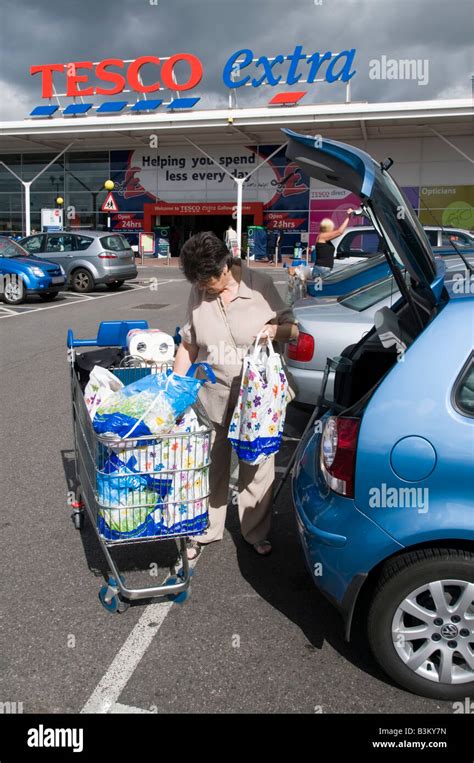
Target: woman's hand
[{"x": 269, "y": 330}]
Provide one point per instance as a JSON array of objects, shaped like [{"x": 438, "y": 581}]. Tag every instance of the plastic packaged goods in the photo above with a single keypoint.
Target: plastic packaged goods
[{"x": 148, "y": 406}]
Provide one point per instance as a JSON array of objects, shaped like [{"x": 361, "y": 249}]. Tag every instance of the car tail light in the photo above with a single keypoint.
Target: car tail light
[
  {"x": 107, "y": 256},
  {"x": 303, "y": 349},
  {"x": 338, "y": 453}
]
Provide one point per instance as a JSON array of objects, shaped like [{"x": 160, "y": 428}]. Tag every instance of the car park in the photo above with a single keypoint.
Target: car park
[
  {"x": 90, "y": 258},
  {"x": 23, "y": 275},
  {"x": 382, "y": 486}
]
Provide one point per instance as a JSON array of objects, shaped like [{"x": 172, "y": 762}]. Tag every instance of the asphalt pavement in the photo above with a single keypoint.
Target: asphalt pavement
[{"x": 254, "y": 636}]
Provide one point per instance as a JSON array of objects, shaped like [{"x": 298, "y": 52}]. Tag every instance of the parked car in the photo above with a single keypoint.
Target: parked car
[
  {"x": 343, "y": 280},
  {"x": 383, "y": 486},
  {"x": 89, "y": 257},
  {"x": 23, "y": 275},
  {"x": 362, "y": 241},
  {"x": 327, "y": 325}
]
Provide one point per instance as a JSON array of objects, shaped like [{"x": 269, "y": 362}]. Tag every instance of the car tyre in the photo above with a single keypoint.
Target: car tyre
[
  {"x": 115, "y": 286},
  {"x": 14, "y": 291},
  {"x": 433, "y": 580},
  {"x": 82, "y": 281}
]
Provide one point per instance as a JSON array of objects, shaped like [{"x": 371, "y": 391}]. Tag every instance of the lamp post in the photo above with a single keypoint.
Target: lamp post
[{"x": 109, "y": 185}]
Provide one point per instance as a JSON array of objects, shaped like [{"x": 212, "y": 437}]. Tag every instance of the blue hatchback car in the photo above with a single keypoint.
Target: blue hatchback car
[
  {"x": 22, "y": 274},
  {"x": 383, "y": 483}
]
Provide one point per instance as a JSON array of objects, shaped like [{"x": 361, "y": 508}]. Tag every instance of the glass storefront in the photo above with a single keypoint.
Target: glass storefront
[{"x": 78, "y": 177}]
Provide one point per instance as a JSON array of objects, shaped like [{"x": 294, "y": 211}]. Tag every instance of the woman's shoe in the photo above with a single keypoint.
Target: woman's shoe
[
  {"x": 263, "y": 547},
  {"x": 193, "y": 549}
]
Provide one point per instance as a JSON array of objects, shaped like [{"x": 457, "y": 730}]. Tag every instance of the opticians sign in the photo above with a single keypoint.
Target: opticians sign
[{"x": 243, "y": 68}]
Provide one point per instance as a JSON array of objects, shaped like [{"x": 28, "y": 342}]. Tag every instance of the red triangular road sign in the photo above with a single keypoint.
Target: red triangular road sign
[{"x": 109, "y": 204}]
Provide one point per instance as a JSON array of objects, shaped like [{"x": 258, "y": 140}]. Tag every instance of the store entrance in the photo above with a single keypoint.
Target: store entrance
[{"x": 184, "y": 226}]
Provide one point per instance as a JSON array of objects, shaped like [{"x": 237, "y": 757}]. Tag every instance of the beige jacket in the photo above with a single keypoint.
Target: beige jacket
[{"x": 223, "y": 334}]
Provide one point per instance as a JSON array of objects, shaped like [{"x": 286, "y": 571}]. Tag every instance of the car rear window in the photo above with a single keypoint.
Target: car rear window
[
  {"x": 464, "y": 389},
  {"x": 115, "y": 243},
  {"x": 432, "y": 237},
  {"x": 83, "y": 242},
  {"x": 364, "y": 298},
  {"x": 457, "y": 237},
  {"x": 355, "y": 242}
]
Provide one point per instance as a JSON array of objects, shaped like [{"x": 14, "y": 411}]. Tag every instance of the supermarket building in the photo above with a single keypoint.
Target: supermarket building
[{"x": 182, "y": 168}]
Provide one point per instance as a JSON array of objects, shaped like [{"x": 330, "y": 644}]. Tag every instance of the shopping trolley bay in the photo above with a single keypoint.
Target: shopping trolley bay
[{"x": 254, "y": 635}]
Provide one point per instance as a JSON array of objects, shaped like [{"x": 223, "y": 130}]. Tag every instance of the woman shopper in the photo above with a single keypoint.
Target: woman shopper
[
  {"x": 228, "y": 306},
  {"x": 324, "y": 248}
]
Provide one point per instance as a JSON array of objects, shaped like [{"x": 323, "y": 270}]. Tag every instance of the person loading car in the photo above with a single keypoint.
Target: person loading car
[
  {"x": 228, "y": 306},
  {"x": 324, "y": 248}
]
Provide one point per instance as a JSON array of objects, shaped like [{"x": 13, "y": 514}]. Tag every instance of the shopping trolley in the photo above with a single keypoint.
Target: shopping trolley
[{"x": 161, "y": 494}]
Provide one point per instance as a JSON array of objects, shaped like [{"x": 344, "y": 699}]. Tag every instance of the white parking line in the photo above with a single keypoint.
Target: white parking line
[
  {"x": 41, "y": 308},
  {"x": 111, "y": 686},
  {"x": 104, "y": 698},
  {"x": 117, "y": 707}
]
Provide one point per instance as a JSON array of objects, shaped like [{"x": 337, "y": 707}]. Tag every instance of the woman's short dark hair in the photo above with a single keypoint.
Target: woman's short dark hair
[{"x": 204, "y": 256}]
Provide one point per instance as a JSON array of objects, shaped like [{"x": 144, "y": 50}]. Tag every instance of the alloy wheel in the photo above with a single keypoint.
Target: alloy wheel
[{"x": 433, "y": 631}]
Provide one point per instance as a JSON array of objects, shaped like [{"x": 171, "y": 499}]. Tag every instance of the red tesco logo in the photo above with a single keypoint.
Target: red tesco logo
[{"x": 104, "y": 71}]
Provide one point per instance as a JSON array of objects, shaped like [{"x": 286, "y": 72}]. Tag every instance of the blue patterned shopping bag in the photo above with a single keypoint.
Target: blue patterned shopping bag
[{"x": 256, "y": 427}]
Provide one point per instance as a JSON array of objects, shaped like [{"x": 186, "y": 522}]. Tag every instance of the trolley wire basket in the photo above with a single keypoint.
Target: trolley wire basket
[{"x": 143, "y": 488}]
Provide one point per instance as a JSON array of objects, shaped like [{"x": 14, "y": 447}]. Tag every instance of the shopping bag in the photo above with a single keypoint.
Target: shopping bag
[
  {"x": 130, "y": 502},
  {"x": 101, "y": 386},
  {"x": 256, "y": 426},
  {"x": 150, "y": 405}
]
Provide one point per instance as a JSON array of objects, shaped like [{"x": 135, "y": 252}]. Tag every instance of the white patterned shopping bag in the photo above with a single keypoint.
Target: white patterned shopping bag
[{"x": 256, "y": 426}]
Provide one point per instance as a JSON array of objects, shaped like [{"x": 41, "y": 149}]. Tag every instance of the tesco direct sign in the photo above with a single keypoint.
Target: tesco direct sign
[{"x": 115, "y": 72}]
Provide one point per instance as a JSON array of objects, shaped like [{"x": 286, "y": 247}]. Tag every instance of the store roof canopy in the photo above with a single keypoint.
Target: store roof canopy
[{"x": 346, "y": 122}]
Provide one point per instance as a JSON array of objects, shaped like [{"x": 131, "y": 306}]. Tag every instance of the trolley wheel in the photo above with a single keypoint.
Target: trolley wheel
[
  {"x": 116, "y": 603},
  {"x": 78, "y": 519},
  {"x": 178, "y": 598},
  {"x": 180, "y": 572}
]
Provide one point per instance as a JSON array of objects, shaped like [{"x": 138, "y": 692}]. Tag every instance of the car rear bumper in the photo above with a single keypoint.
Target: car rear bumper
[
  {"x": 340, "y": 544},
  {"x": 118, "y": 273}
]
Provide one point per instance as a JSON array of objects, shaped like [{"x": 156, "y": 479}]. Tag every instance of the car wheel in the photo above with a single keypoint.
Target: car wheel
[
  {"x": 14, "y": 291},
  {"x": 115, "y": 285},
  {"x": 421, "y": 622},
  {"x": 82, "y": 281},
  {"x": 49, "y": 296}
]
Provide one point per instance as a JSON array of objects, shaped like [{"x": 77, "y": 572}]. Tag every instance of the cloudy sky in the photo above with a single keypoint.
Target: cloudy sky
[{"x": 61, "y": 31}]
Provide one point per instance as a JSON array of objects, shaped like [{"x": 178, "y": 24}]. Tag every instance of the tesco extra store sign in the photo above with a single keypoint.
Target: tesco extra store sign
[{"x": 112, "y": 75}]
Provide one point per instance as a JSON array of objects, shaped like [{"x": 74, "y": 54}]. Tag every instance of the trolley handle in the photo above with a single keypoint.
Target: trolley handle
[{"x": 206, "y": 368}]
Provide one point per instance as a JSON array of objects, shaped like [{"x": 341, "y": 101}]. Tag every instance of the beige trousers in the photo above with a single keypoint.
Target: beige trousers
[{"x": 255, "y": 492}]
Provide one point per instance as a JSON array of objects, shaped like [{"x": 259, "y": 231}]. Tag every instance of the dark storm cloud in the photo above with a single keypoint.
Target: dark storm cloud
[{"x": 59, "y": 31}]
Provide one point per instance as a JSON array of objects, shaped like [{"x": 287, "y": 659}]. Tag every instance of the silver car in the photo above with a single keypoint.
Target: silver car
[
  {"x": 328, "y": 325},
  {"x": 89, "y": 258}
]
